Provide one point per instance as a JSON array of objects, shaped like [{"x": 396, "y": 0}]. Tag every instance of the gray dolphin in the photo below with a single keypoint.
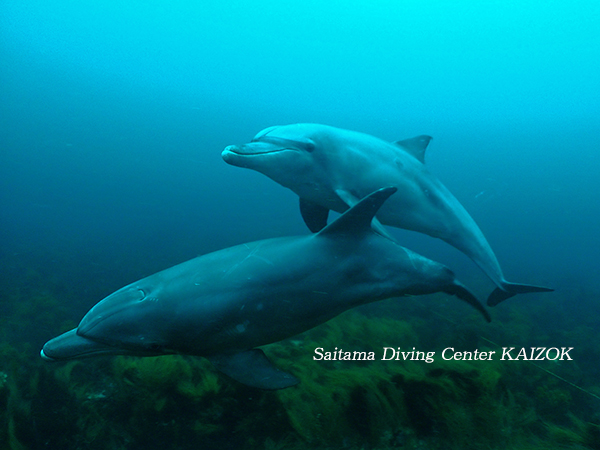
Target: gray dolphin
[
  {"x": 332, "y": 169},
  {"x": 224, "y": 304}
]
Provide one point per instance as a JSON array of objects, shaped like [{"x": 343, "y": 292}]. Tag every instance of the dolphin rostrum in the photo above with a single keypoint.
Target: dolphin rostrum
[
  {"x": 332, "y": 169},
  {"x": 225, "y": 304}
]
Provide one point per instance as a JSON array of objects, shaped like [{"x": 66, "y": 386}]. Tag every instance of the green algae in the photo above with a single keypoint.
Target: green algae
[
  {"x": 177, "y": 402},
  {"x": 577, "y": 433}
]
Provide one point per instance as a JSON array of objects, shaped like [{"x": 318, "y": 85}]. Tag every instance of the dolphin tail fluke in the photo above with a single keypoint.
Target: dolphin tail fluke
[
  {"x": 464, "y": 294},
  {"x": 509, "y": 290}
]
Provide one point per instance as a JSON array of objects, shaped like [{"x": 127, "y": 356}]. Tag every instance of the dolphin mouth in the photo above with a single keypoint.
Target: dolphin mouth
[
  {"x": 71, "y": 345},
  {"x": 252, "y": 150}
]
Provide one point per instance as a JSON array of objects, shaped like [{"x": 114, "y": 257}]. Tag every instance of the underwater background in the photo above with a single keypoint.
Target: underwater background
[{"x": 113, "y": 116}]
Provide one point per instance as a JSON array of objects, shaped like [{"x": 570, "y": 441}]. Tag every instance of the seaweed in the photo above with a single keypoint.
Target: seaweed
[{"x": 179, "y": 402}]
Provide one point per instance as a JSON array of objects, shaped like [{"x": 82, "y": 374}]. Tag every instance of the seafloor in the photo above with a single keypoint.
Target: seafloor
[{"x": 177, "y": 402}]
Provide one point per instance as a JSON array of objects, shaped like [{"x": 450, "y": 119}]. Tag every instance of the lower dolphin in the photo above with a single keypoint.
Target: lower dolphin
[
  {"x": 332, "y": 169},
  {"x": 225, "y": 304}
]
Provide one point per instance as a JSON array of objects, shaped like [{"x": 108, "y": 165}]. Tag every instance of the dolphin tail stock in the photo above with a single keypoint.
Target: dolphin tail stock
[
  {"x": 509, "y": 290},
  {"x": 460, "y": 291}
]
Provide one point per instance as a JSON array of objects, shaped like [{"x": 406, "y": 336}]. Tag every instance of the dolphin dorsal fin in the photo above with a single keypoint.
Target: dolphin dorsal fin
[
  {"x": 358, "y": 218},
  {"x": 415, "y": 146}
]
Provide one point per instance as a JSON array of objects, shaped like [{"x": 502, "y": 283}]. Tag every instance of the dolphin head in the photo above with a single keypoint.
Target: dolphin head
[
  {"x": 127, "y": 322},
  {"x": 132, "y": 318},
  {"x": 130, "y": 321},
  {"x": 280, "y": 152}
]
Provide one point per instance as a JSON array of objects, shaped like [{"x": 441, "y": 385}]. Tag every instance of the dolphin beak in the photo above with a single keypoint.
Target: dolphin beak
[
  {"x": 70, "y": 345},
  {"x": 253, "y": 149},
  {"x": 232, "y": 154},
  {"x": 248, "y": 155}
]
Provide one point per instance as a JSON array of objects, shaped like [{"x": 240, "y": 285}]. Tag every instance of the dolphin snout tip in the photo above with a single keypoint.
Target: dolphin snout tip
[
  {"x": 234, "y": 155},
  {"x": 229, "y": 151},
  {"x": 45, "y": 357}
]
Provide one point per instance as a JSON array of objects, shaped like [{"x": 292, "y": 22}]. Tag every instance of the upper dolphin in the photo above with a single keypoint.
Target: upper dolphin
[
  {"x": 332, "y": 169},
  {"x": 224, "y": 304}
]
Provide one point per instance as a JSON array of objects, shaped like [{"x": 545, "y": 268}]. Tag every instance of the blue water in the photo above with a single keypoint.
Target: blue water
[{"x": 113, "y": 116}]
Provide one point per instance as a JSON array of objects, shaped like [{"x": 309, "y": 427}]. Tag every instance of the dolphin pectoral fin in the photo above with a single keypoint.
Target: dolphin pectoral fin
[
  {"x": 314, "y": 215},
  {"x": 379, "y": 228},
  {"x": 348, "y": 198},
  {"x": 509, "y": 290},
  {"x": 463, "y": 293},
  {"x": 254, "y": 369}
]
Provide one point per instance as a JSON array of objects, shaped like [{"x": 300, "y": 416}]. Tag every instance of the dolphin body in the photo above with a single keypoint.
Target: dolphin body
[
  {"x": 224, "y": 304},
  {"x": 332, "y": 169}
]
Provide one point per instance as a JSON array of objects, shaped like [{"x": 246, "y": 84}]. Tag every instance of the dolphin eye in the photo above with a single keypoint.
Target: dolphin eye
[{"x": 309, "y": 146}]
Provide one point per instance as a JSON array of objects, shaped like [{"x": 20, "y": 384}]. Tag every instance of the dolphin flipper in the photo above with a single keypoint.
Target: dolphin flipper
[
  {"x": 351, "y": 200},
  {"x": 509, "y": 290},
  {"x": 314, "y": 215},
  {"x": 254, "y": 369}
]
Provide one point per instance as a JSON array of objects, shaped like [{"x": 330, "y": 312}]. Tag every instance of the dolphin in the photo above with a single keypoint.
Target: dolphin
[
  {"x": 332, "y": 169},
  {"x": 223, "y": 305}
]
